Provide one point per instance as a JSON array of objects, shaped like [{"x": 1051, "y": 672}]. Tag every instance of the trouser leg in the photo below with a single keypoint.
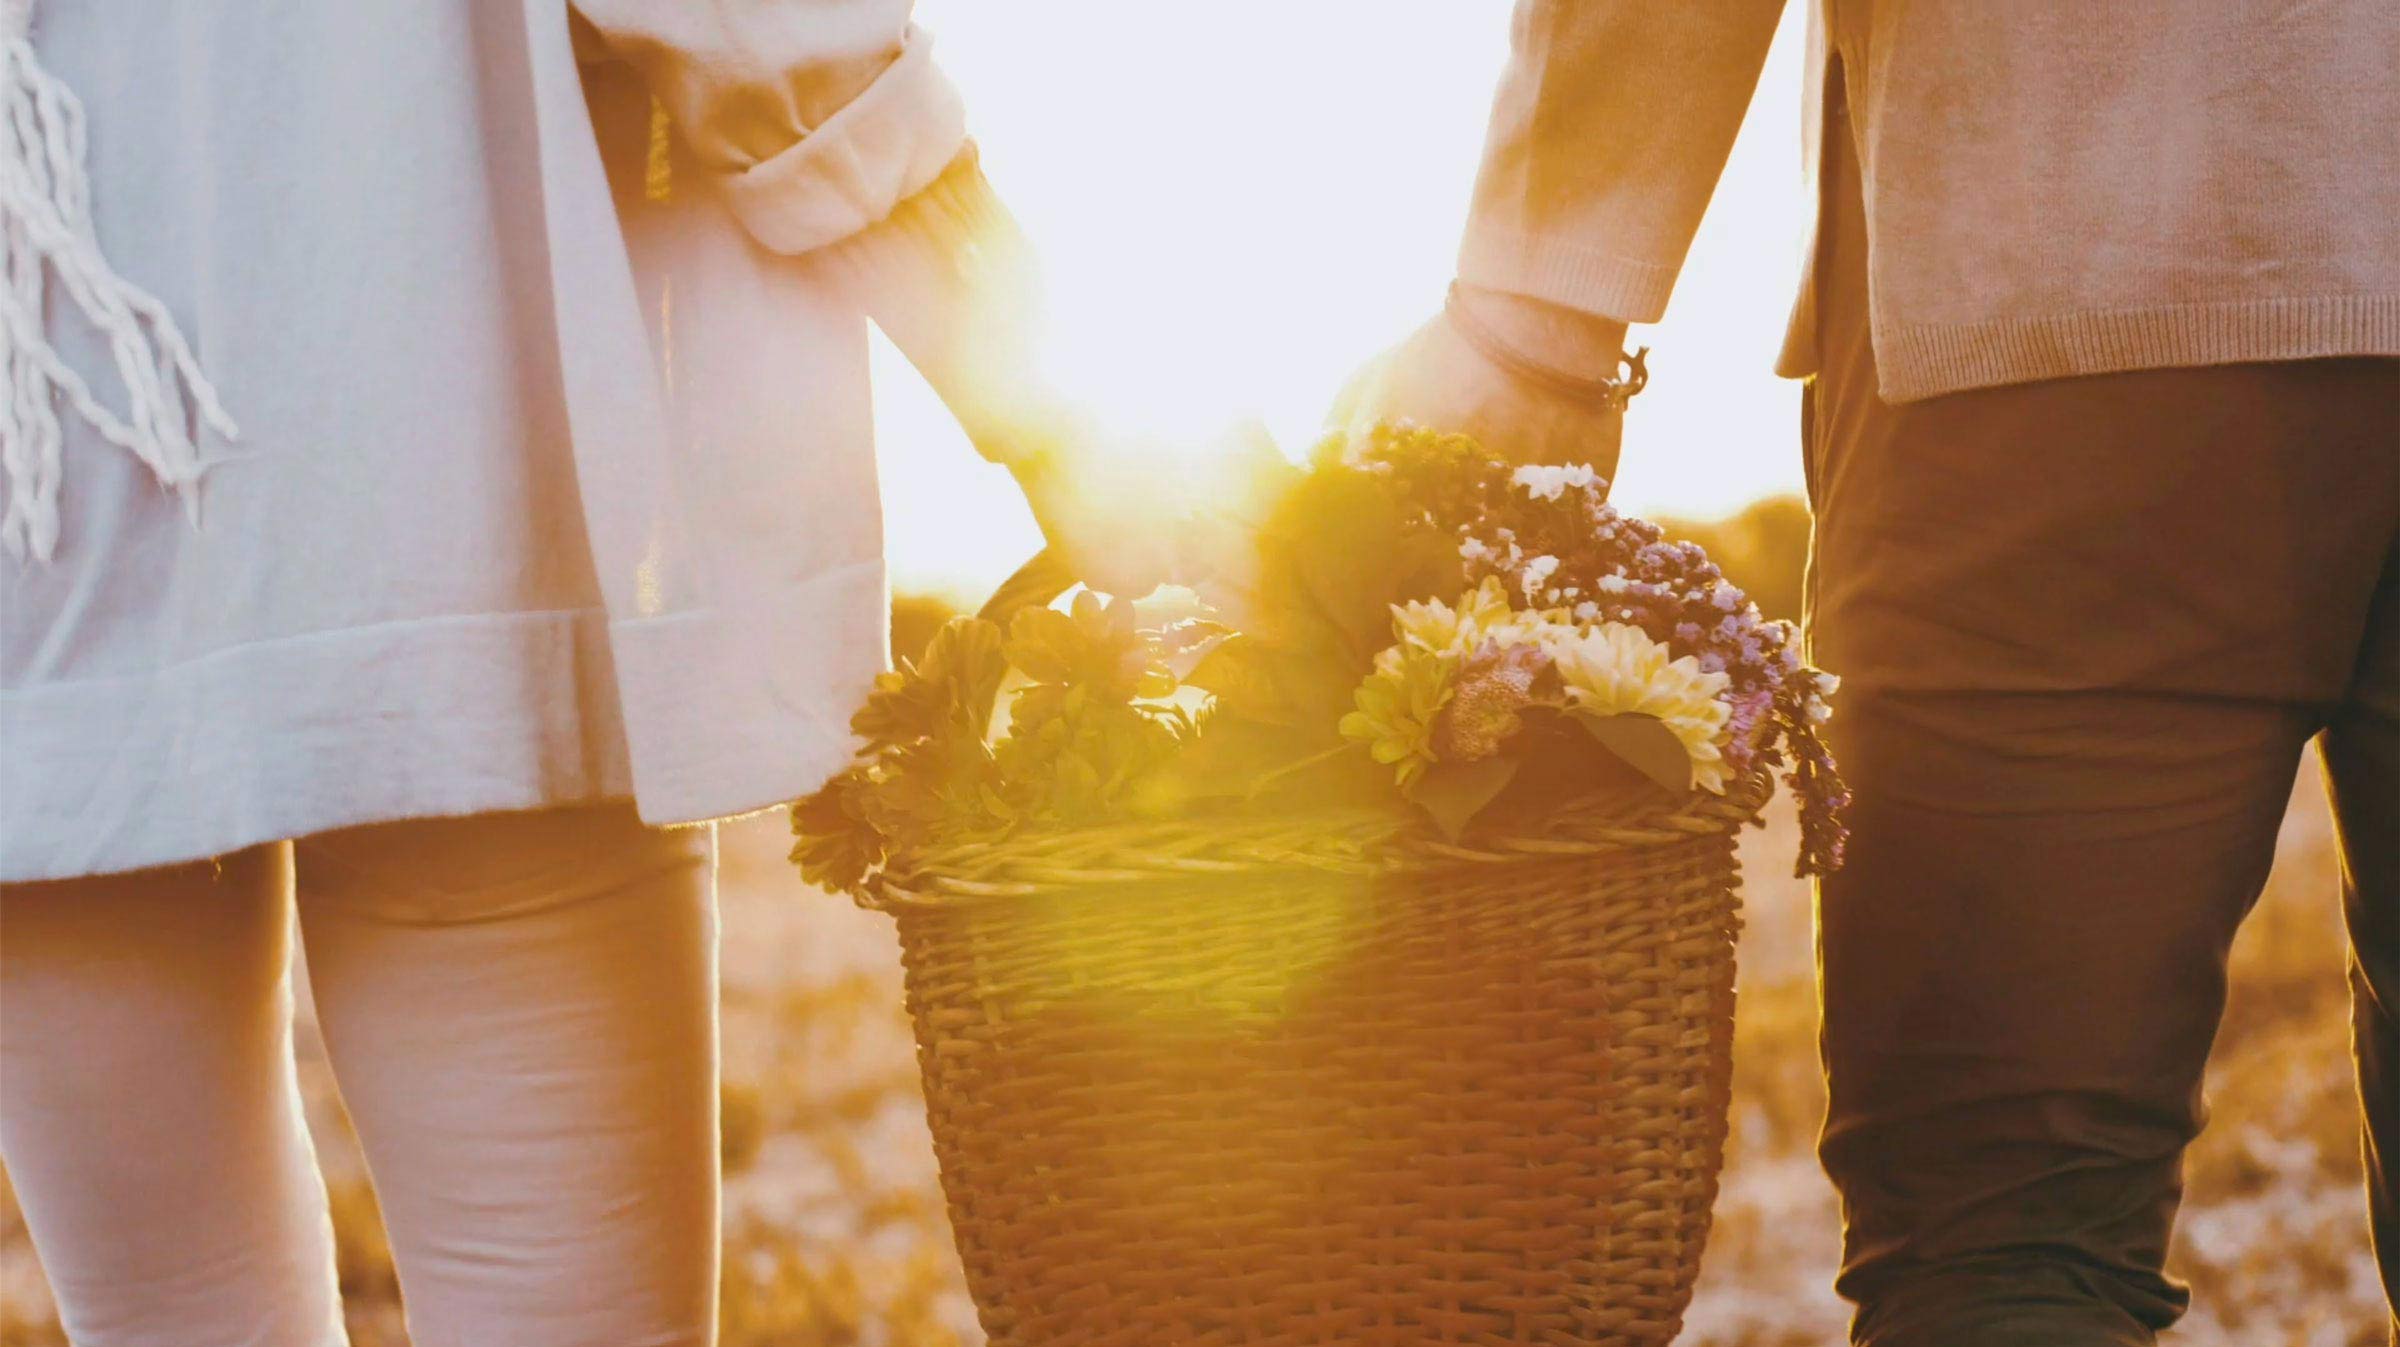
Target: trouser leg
[
  {"x": 150, "y": 1111},
  {"x": 520, "y": 1009},
  {"x": 2362, "y": 771},
  {"x": 2085, "y": 627},
  {"x": 2023, "y": 970}
]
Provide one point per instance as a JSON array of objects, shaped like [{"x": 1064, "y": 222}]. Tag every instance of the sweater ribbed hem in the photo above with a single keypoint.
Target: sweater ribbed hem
[
  {"x": 1929, "y": 360},
  {"x": 1627, "y": 289}
]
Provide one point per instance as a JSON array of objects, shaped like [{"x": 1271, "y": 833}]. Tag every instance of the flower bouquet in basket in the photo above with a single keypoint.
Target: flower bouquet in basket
[{"x": 1348, "y": 960}]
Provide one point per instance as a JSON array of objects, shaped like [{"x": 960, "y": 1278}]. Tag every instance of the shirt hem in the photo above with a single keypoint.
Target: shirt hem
[
  {"x": 283, "y": 738},
  {"x": 1923, "y": 361},
  {"x": 736, "y": 709}
]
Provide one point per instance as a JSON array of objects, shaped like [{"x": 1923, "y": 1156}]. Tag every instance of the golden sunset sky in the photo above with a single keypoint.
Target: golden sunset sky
[{"x": 1237, "y": 202}]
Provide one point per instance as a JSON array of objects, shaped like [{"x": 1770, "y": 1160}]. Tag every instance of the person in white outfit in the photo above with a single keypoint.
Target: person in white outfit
[{"x": 437, "y": 457}]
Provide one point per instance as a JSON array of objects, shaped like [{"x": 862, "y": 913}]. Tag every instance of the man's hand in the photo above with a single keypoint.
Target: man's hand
[{"x": 1437, "y": 378}]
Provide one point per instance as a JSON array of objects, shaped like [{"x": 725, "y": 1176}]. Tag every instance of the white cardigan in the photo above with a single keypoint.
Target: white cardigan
[{"x": 545, "y": 491}]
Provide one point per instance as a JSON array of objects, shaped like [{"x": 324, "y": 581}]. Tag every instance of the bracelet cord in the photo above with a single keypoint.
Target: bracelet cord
[{"x": 1611, "y": 390}]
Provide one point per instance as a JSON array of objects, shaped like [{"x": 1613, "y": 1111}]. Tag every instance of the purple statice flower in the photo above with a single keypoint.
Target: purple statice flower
[
  {"x": 1811, "y": 773},
  {"x": 1611, "y": 566},
  {"x": 1750, "y": 710}
]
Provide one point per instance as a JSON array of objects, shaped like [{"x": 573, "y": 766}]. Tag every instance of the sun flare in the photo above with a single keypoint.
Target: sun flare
[{"x": 1230, "y": 223}]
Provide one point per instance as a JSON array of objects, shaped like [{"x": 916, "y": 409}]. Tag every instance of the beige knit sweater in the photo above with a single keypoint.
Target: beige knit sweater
[{"x": 2053, "y": 187}]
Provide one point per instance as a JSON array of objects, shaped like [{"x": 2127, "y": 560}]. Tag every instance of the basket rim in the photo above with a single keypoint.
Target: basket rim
[{"x": 1354, "y": 841}]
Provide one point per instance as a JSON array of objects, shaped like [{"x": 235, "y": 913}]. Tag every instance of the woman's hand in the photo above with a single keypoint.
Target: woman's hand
[
  {"x": 953, "y": 282},
  {"x": 1129, "y": 515},
  {"x": 1438, "y": 378}
]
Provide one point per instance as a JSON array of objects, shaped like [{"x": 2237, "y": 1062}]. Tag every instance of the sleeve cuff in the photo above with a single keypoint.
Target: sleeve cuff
[
  {"x": 1590, "y": 279},
  {"x": 954, "y": 234},
  {"x": 881, "y": 148},
  {"x": 951, "y": 278}
]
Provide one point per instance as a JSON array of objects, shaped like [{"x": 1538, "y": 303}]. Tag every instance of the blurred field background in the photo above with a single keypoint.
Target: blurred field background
[{"x": 835, "y": 1235}]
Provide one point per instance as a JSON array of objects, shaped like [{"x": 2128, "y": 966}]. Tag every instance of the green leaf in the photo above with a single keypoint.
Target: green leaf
[
  {"x": 1241, "y": 673},
  {"x": 1355, "y": 589},
  {"x": 1343, "y": 546},
  {"x": 1185, "y": 644},
  {"x": 950, "y": 688},
  {"x": 1453, "y": 793},
  {"x": 1647, "y": 744},
  {"x": 835, "y": 845},
  {"x": 965, "y": 656}
]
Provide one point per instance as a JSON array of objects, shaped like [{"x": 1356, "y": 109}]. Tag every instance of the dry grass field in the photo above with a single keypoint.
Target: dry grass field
[{"x": 834, "y": 1228}]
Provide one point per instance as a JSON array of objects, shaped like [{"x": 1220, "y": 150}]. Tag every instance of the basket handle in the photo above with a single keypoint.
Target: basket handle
[{"x": 1034, "y": 585}]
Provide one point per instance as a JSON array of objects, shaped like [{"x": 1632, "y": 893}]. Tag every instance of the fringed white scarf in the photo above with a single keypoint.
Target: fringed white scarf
[{"x": 46, "y": 231}]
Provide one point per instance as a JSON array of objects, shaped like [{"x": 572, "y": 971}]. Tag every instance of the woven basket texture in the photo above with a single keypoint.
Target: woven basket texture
[{"x": 1311, "y": 1081}]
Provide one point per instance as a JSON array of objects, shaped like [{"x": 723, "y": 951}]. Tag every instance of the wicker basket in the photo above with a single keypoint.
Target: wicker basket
[{"x": 1315, "y": 1081}]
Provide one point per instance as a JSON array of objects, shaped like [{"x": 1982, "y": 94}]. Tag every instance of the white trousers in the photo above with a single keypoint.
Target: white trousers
[{"x": 520, "y": 1012}]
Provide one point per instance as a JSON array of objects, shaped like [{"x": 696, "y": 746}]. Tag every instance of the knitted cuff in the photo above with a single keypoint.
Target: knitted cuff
[
  {"x": 951, "y": 278},
  {"x": 1594, "y": 280}
]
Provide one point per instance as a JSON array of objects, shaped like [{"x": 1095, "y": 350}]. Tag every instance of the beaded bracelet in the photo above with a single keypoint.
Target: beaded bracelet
[{"x": 1608, "y": 390}]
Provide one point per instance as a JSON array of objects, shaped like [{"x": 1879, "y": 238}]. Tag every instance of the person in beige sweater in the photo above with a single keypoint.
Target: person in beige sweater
[{"x": 2102, "y": 432}]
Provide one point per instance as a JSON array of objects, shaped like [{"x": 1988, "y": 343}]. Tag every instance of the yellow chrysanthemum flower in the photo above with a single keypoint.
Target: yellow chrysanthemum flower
[
  {"x": 1434, "y": 626},
  {"x": 1397, "y": 705},
  {"x": 1615, "y": 669}
]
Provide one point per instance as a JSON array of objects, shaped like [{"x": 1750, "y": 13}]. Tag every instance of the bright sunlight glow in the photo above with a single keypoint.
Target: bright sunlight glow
[{"x": 1238, "y": 202}]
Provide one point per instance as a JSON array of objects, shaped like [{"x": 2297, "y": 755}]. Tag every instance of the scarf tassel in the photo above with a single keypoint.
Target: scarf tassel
[{"x": 46, "y": 231}]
